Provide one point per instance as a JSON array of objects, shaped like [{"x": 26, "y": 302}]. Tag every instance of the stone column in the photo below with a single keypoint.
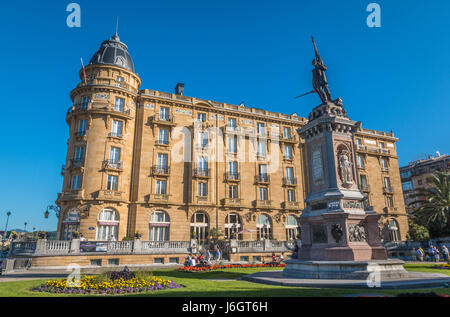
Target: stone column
[
  {"x": 75, "y": 246},
  {"x": 41, "y": 247},
  {"x": 137, "y": 246}
]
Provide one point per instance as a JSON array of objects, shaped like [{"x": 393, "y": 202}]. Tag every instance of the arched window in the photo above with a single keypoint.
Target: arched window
[
  {"x": 394, "y": 232},
  {"x": 199, "y": 226},
  {"x": 264, "y": 227},
  {"x": 159, "y": 226},
  {"x": 233, "y": 225},
  {"x": 70, "y": 223},
  {"x": 292, "y": 228},
  {"x": 107, "y": 225}
]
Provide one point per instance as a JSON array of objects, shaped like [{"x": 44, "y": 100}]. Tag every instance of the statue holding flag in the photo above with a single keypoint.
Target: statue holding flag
[{"x": 319, "y": 81}]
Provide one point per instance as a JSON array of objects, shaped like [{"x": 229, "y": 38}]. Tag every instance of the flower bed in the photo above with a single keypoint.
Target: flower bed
[
  {"x": 116, "y": 283},
  {"x": 193, "y": 269},
  {"x": 443, "y": 266}
]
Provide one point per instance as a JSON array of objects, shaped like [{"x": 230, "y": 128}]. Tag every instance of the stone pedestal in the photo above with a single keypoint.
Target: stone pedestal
[
  {"x": 346, "y": 270},
  {"x": 340, "y": 236}
]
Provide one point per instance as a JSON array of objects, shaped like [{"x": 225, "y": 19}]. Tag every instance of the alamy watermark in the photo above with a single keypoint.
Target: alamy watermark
[
  {"x": 74, "y": 18},
  {"x": 374, "y": 18}
]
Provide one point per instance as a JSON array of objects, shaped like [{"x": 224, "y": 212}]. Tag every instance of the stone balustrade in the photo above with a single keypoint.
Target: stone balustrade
[{"x": 43, "y": 247}]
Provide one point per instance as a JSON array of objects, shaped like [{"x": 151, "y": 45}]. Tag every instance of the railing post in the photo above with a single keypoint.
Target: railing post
[
  {"x": 75, "y": 246},
  {"x": 266, "y": 245},
  {"x": 41, "y": 247},
  {"x": 137, "y": 246},
  {"x": 233, "y": 245}
]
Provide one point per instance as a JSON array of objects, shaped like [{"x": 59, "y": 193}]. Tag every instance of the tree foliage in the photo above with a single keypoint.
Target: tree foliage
[{"x": 434, "y": 209}]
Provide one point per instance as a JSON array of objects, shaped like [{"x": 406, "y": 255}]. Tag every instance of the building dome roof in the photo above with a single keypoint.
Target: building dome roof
[{"x": 113, "y": 52}]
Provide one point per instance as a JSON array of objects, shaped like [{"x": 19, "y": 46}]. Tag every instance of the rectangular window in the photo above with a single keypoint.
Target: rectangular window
[
  {"x": 390, "y": 201},
  {"x": 117, "y": 128},
  {"x": 163, "y": 137},
  {"x": 174, "y": 260},
  {"x": 262, "y": 170},
  {"x": 232, "y": 144},
  {"x": 233, "y": 191},
  {"x": 232, "y": 168},
  {"x": 81, "y": 127},
  {"x": 119, "y": 104},
  {"x": 160, "y": 187},
  {"x": 120, "y": 79},
  {"x": 288, "y": 152},
  {"x": 360, "y": 161},
  {"x": 407, "y": 186},
  {"x": 289, "y": 173},
  {"x": 201, "y": 117},
  {"x": 164, "y": 113},
  {"x": 85, "y": 102},
  {"x": 202, "y": 163},
  {"x": 291, "y": 195},
  {"x": 287, "y": 132},
  {"x": 114, "y": 155},
  {"x": 96, "y": 262},
  {"x": 260, "y": 128},
  {"x": 358, "y": 141},
  {"x": 263, "y": 194},
  {"x": 113, "y": 261},
  {"x": 384, "y": 163},
  {"x": 202, "y": 189},
  {"x": 162, "y": 160},
  {"x": 387, "y": 182},
  {"x": 381, "y": 144},
  {"x": 363, "y": 181},
  {"x": 158, "y": 260},
  {"x": 76, "y": 181},
  {"x": 79, "y": 153},
  {"x": 112, "y": 182},
  {"x": 232, "y": 123},
  {"x": 261, "y": 148}
]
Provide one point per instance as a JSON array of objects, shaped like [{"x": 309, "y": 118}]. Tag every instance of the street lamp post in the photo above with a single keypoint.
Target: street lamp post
[{"x": 6, "y": 229}]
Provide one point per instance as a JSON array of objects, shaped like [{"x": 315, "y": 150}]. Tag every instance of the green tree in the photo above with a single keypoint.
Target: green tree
[
  {"x": 434, "y": 209},
  {"x": 418, "y": 232}
]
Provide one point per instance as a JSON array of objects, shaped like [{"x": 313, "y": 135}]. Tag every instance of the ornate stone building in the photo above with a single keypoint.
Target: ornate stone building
[{"x": 175, "y": 167}]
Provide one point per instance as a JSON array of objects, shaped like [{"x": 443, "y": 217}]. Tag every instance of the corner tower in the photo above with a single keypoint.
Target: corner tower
[{"x": 101, "y": 120}]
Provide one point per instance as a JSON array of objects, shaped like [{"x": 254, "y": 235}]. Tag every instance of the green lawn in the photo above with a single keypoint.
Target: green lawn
[{"x": 200, "y": 284}]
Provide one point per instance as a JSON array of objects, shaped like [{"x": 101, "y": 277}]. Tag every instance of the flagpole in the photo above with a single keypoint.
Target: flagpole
[{"x": 84, "y": 71}]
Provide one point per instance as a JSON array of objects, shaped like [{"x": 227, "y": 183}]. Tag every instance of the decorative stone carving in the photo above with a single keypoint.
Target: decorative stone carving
[
  {"x": 352, "y": 204},
  {"x": 337, "y": 232},
  {"x": 333, "y": 204},
  {"x": 317, "y": 164},
  {"x": 357, "y": 233},
  {"x": 319, "y": 234}
]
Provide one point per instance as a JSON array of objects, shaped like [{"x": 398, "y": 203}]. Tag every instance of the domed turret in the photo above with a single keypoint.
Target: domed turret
[{"x": 113, "y": 52}]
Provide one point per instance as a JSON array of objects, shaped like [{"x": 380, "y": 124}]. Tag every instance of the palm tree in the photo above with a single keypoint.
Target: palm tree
[{"x": 434, "y": 202}]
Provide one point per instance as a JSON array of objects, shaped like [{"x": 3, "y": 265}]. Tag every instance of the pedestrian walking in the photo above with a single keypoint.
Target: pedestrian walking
[{"x": 445, "y": 252}]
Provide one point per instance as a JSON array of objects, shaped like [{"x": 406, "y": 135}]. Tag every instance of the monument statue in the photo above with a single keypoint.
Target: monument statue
[
  {"x": 346, "y": 168},
  {"x": 319, "y": 81}
]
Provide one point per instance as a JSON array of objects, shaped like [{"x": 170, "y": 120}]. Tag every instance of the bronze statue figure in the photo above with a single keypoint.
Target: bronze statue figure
[{"x": 319, "y": 82}]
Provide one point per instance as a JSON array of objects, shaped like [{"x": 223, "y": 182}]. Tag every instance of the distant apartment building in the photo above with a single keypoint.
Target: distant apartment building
[{"x": 415, "y": 175}]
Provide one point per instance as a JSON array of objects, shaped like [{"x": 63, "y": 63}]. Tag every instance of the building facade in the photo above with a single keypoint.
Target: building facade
[
  {"x": 415, "y": 175},
  {"x": 174, "y": 167}
]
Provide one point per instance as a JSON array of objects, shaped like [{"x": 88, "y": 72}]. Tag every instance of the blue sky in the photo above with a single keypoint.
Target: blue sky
[{"x": 394, "y": 77}]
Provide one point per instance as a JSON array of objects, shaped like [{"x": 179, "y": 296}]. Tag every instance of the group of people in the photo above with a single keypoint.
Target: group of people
[
  {"x": 433, "y": 254},
  {"x": 202, "y": 259},
  {"x": 277, "y": 259}
]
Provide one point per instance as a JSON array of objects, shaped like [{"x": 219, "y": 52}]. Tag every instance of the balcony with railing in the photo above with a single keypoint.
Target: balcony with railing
[
  {"x": 290, "y": 181},
  {"x": 112, "y": 165},
  {"x": 165, "y": 120},
  {"x": 232, "y": 176},
  {"x": 233, "y": 202},
  {"x": 288, "y": 138},
  {"x": 201, "y": 172},
  {"x": 72, "y": 194},
  {"x": 160, "y": 170},
  {"x": 117, "y": 135},
  {"x": 201, "y": 200},
  {"x": 388, "y": 189},
  {"x": 109, "y": 194},
  {"x": 291, "y": 205},
  {"x": 385, "y": 169},
  {"x": 263, "y": 204},
  {"x": 100, "y": 107},
  {"x": 365, "y": 187},
  {"x": 262, "y": 179},
  {"x": 164, "y": 142}
]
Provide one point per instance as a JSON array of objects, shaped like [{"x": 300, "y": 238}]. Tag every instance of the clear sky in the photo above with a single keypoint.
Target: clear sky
[{"x": 395, "y": 77}]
